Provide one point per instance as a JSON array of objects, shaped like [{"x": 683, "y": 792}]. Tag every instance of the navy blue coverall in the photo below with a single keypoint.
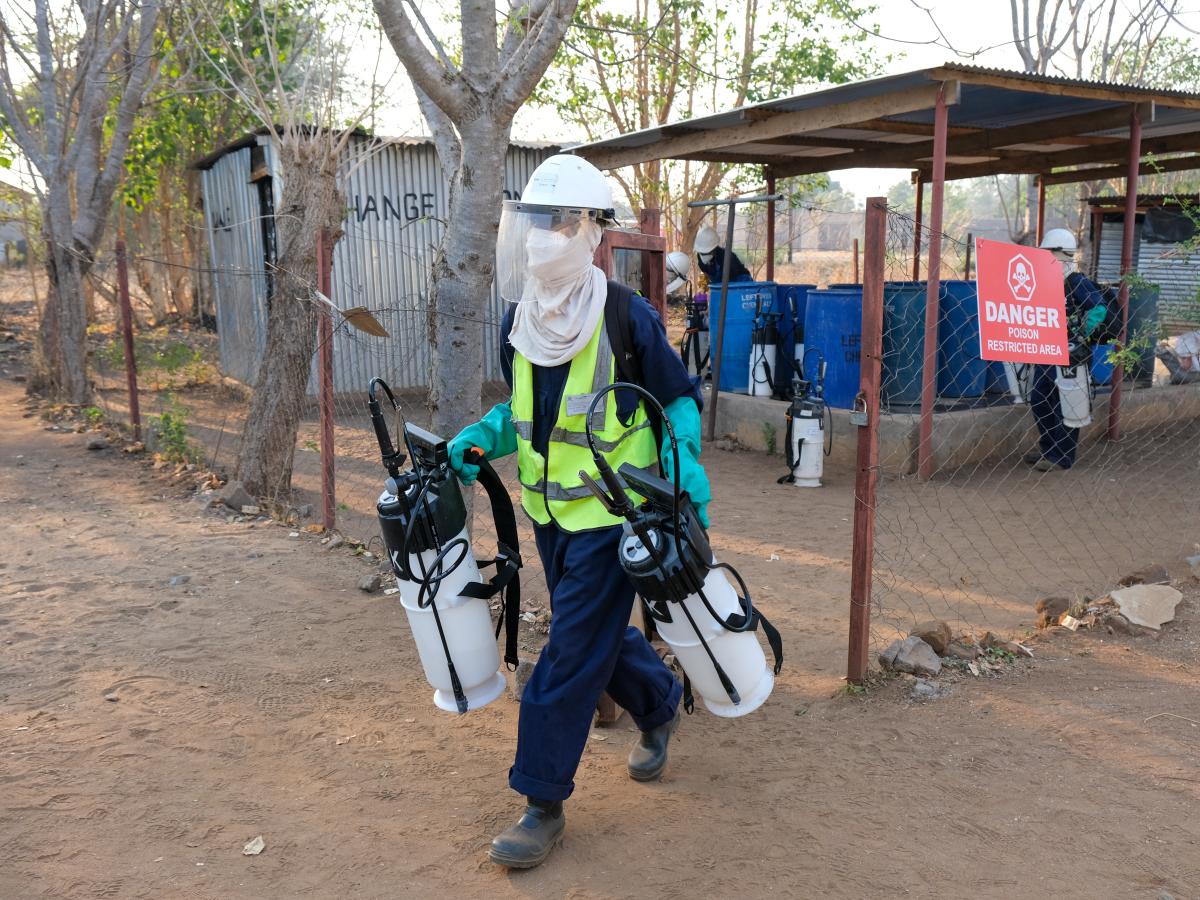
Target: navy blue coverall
[
  {"x": 716, "y": 262},
  {"x": 1057, "y": 442},
  {"x": 592, "y": 648}
]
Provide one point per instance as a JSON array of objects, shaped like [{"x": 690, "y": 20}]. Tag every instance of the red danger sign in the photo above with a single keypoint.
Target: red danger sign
[{"x": 1022, "y": 308}]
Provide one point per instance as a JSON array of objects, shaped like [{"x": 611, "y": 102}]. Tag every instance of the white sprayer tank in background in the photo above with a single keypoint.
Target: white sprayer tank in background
[
  {"x": 762, "y": 365},
  {"x": 467, "y": 624},
  {"x": 808, "y": 447},
  {"x": 1074, "y": 395}
]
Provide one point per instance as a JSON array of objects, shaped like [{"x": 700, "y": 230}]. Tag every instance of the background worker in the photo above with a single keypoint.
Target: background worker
[
  {"x": 1086, "y": 311},
  {"x": 557, "y": 354},
  {"x": 711, "y": 257},
  {"x": 679, "y": 267}
]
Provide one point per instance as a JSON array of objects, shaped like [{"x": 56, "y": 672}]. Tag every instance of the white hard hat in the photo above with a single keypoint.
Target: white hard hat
[
  {"x": 568, "y": 182},
  {"x": 679, "y": 265},
  {"x": 1060, "y": 240},
  {"x": 706, "y": 239}
]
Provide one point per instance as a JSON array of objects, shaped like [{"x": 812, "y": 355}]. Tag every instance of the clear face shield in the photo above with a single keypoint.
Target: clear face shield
[
  {"x": 1066, "y": 260},
  {"x": 545, "y": 243}
]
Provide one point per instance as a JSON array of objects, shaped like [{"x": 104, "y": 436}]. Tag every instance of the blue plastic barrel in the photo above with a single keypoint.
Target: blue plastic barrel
[
  {"x": 833, "y": 328},
  {"x": 1102, "y": 369},
  {"x": 791, "y": 300},
  {"x": 745, "y": 299},
  {"x": 1143, "y": 326},
  {"x": 903, "y": 340},
  {"x": 961, "y": 371}
]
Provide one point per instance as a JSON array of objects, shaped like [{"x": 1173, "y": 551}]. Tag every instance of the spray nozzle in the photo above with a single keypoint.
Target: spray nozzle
[{"x": 392, "y": 458}]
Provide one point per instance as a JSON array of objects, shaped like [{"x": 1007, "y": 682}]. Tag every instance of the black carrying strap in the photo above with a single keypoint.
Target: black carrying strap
[
  {"x": 507, "y": 562},
  {"x": 620, "y": 338},
  {"x": 792, "y": 461}
]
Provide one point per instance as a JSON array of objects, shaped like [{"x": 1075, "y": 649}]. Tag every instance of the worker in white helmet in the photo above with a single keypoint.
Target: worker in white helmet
[
  {"x": 560, "y": 345},
  {"x": 1090, "y": 321},
  {"x": 711, "y": 257},
  {"x": 679, "y": 267}
]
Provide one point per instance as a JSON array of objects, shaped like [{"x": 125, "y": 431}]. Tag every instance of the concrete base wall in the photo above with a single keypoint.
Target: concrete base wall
[{"x": 960, "y": 438}]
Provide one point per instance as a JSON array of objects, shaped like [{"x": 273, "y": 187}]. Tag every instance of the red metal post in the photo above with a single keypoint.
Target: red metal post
[
  {"x": 1041, "y": 211},
  {"x": 933, "y": 269},
  {"x": 325, "y": 372},
  {"x": 1131, "y": 186},
  {"x": 770, "y": 227},
  {"x": 135, "y": 412},
  {"x": 866, "y": 475},
  {"x": 856, "y": 278},
  {"x": 967, "y": 265},
  {"x": 917, "y": 227}
]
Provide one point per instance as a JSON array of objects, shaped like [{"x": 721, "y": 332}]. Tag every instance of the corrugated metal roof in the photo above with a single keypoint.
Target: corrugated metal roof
[
  {"x": 989, "y": 99},
  {"x": 249, "y": 140},
  {"x": 1118, "y": 200}
]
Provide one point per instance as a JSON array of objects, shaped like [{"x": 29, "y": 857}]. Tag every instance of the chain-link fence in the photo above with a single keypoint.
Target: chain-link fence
[{"x": 987, "y": 498}]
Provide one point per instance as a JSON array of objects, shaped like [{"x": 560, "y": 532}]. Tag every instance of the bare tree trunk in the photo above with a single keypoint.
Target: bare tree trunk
[
  {"x": 310, "y": 201},
  {"x": 462, "y": 280},
  {"x": 60, "y": 367}
]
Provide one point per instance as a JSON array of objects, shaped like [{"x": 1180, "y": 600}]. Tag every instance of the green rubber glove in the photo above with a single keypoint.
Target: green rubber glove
[
  {"x": 493, "y": 434},
  {"x": 684, "y": 417},
  {"x": 1093, "y": 320}
]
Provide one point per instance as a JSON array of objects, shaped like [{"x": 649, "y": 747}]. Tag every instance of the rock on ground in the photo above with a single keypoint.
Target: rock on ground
[
  {"x": 1050, "y": 610},
  {"x": 235, "y": 496},
  {"x": 1149, "y": 575},
  {"x": 935, "y": 634},
  {"x": 97, "y": 443},
  {"x": 923, "y": 689},
  {"x": 911, "y": 655},
  {"x": 956, "y": 650},
  {"x": 1150, "y": 605},
  {"x": 521, "y": 678},
  {"x": 370, "y": 583}
]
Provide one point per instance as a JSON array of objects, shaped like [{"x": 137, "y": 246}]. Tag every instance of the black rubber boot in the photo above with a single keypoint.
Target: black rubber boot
[
  {"x": 648, "y": 758},
  {"x": 530, "y": 841},
  {"x": 1032, "y": 457}
]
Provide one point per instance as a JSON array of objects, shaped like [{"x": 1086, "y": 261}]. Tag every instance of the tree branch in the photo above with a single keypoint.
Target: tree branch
[{"x": 439, "y": 82}]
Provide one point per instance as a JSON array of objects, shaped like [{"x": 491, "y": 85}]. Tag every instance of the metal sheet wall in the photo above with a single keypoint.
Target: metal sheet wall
[
  {"x": 231, "y": 214},
  {"x": 396, "y": 202},
  {"x": 1176, "y": 274}
]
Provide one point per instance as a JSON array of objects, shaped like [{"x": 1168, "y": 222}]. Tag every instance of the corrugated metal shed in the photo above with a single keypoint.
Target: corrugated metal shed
[
  {"x": 1174, "y": 268},
  {"x": 396, "y": 201}
]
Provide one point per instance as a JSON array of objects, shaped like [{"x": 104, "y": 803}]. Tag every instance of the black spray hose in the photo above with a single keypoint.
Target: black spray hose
[{"x": 622, "y": 506}]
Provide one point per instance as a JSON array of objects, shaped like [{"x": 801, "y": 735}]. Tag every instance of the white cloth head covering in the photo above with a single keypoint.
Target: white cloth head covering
[{"x": 564, "y": 296}]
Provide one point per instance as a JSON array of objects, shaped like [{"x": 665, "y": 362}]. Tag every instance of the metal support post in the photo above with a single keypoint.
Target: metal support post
[
  {"x": 1131, "y": 188},
  {"x": 933, "y": 271},
  {"x": 325, "y": 373},
  {"x": 135, "y": 412}
]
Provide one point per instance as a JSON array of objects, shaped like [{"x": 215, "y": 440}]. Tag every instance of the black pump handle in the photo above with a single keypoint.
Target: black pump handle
[{"x": 392, "y": 459}]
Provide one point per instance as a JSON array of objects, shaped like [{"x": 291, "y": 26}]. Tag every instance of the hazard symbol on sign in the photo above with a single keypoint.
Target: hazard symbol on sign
[
  {"x": 1021, "y": 278},
  {"x": 1022, "y": 310}
]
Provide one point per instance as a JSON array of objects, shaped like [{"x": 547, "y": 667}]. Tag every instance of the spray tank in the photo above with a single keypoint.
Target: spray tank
[
  {"x": 809, "y": 437},
  {"x": 664, "y": 550},
  {"x": 423, "y": 522},
  {"x": 764, "y": 343},
  {"x": 1075, "y": 390},
  {"x": 694, "y": 347}
]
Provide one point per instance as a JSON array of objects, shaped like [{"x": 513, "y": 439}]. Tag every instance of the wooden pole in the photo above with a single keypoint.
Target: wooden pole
[
  {"x": 967, "y": 265},
  {"x": 1131, "y": 187},
  {"x": 770, "y": 227},
  {"x": 933, "y": 269},
  {"x": 855, "y": 249},
  {"x": 917, "y": 228},
  {"x": 1041, "y": 211},
  {"x": 135, "y": 412},
  {"x": 325, "y": 373},
  {"x": 866, "y": 474}
]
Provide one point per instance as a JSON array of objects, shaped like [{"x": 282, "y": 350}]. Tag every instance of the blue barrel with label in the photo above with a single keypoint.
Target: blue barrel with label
[
  {"x": 903, "y": 341},
  {"x": 746, "y": 299},
  {"x": 1143, "y": 329},
  {"x": 833, "y": 329},
  {"x": 791, "y": 300},
  {"x": 961, "y": 371}
]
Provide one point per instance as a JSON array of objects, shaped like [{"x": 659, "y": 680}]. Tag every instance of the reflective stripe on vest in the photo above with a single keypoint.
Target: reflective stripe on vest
[{"x": 551, "y": 489}]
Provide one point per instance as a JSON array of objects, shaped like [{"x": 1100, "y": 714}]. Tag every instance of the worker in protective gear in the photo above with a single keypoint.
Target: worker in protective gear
[
  {"x": 1086, "y": 310},
  {"x": 556, "y": 356},
  {"x": 711, "y": 257},
  {"x": 679, "y": 267}
]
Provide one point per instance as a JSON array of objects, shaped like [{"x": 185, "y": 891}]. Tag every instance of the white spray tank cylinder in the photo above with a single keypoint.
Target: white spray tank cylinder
[
  {"x": 1014, "y": 384},
  {"x": 807, "y": 456},
  {"x": 694, "y": 634},
  {"x": 445, "y": 625},
  {"x": 763, "y": 342},
  {"x": 1074, "y": 395}
]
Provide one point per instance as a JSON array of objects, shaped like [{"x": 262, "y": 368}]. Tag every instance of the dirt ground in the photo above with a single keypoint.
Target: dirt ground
[{"x": 148, "y": 732}]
